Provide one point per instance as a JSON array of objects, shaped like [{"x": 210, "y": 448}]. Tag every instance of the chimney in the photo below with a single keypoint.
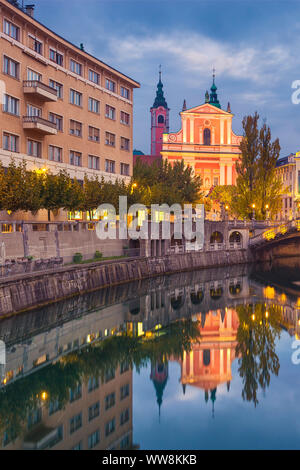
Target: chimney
[{"x": 29, "y": 9}]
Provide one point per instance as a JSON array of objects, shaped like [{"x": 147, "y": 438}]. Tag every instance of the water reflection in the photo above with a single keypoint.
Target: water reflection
[{"x": 68, "y": 378}]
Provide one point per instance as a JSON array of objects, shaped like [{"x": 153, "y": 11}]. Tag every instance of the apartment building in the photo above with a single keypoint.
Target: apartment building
[
  {"x": 98, "y": 413},
  {"x": 288, "y": 171},
  {"x": 61, "y": 108}
]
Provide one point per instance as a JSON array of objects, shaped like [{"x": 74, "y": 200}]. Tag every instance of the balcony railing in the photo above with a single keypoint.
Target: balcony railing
[
  {"x": 39, "y": 124},
  {"x": 44, "y": 92}
]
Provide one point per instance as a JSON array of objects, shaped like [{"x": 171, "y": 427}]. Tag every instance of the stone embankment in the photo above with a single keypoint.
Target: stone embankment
[{"x": 20, "y": 293}]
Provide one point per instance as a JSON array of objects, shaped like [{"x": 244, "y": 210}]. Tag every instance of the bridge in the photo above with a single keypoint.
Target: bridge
[{"x": 280, "y": 240}]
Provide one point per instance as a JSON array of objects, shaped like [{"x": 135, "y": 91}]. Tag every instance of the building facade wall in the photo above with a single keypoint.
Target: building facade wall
[{"x": 29, "y": 63}]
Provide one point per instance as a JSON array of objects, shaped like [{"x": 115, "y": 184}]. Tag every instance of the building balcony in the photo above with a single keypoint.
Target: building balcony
[
  {"x": 40, "y": 90},
  {"x": 38, "y": 124}
]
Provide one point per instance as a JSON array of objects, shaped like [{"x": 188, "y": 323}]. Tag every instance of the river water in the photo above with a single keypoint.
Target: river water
[{"x": 202, "y": 360}]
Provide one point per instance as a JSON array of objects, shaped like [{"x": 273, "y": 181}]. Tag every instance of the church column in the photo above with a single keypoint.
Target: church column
[
  {"x": 221, "y": 131},
  {"x": 184, "y": 130},
  {"x": 228, "y": 361},
  {"x": 192, "y": 364},
  {"x": 221, "y": 362},
  {"x": 228, "y": 132},
  {"x": 191, "y": 130},
  {"x": 229, "y": 173},
  {"x": 222, "y": 173}
]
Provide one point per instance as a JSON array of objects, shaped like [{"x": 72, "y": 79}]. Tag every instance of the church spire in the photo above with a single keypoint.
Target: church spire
[
  {"x": 213, "y": 95},
  {"x": 184, "y": 106},
  {"x": 160, "y": 99}
]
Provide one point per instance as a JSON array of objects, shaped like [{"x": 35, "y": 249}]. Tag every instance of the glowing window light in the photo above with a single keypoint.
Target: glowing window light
[{"x": 269, "y": 292}]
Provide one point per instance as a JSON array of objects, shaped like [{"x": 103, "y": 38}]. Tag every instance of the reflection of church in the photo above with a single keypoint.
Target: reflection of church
[
  {"x": 208, "y": 364},
  {"x": 159, "y": 376}
]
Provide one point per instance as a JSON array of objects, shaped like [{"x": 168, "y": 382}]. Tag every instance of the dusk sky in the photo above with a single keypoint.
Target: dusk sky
[{"x": 253, "y": 45}]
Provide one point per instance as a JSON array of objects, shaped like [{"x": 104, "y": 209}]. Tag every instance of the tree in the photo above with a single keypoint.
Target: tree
[
  {"x": 74, "y": 196},
  {"x": 55, "y": 191}
]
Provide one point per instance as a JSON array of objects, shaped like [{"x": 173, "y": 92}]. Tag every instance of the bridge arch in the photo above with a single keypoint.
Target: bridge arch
[
  {"x": 216, "y": 292},
  {"x": 235, "y": 237},
  {"x": 177, "y": 302},
  {"x": 197, "y": 297},
  {"x": 216, "y": 237}
]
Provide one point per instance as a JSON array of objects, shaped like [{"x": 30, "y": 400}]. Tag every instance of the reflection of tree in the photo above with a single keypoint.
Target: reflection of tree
[
  {"x": 258, "y": 330},
  {"x": 52, "y": 383}
]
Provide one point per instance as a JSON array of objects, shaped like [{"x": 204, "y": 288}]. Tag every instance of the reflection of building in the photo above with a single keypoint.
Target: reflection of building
[
  {"x": 206, "y": 142},
  {"x": 97, "y": 416},
  {"x": 288, "y": 171},
  {"x": 159, "y": 376},
  {"x": 208, "y": 364}
]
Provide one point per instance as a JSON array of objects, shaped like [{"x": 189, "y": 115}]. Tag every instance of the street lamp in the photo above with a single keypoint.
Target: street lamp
[
  {"x": 267, "y": 211},
  {"x": 253, "y": 211}
]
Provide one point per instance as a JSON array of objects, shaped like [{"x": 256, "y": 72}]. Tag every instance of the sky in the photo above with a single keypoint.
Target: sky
[{"x": 254, "y": 47}]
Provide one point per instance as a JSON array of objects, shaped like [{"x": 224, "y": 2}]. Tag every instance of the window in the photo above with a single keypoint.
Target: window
[
  {"x": 94, "y": 134},
  {"x": 110, "y": 427},
  {"x": 11, "y": 105},
  {"x": 34, "y": 417},
  {"x": 94, "y": 162},
  {"x": 124, "y": 391},
  {"x": 125, "y": 442},
  {"x": 109, "y": 374},
  {"x": 124, "y": 143},
  {"x": 54, "y": 406},
  {"x": 160, "y": 119},
  {"x": 35, "y": 44},
  {"x": 110, "y": 166},
  {"x": 124, "y": 417},
  {"x": 125, "y": 93},
  {"x": 11, "y": 30},
  {"x": 77, "y": 446},
  {"x": 125, "y": 169},
  {"x": 110, "y": 401},
  {"x": 110, "y": 112},
  {"x": 75, "y": 423},
  {"x": 57, "y": 120},
  {"x": 75, "y": 98},
  {"x": 75, "y": 128},
  {"x": 75, "y": 393},
  {"x": 33, "y": 110},
  {"x": 10, "y": 142},
  {"x": 216, "y": 180},
  {"x": 11, "y": 67},
  {"x": 110, "y": 85},
  {"x": 124, "y": 367},
  {"x": 58, "y": 87},
  {"x": 125, "y": 118},
  {"x": 94, "y": 77},
  {"x": 56, "y": 57},
  {"x": 93, "y": 384},
  {"x": 110, "y": 139},
  {"x": 94, "y": 439},
  {"x": 75, "y": 67},
  {"x": 206, "y": 135},
  {"x": 94, "y": 105},
  {"x": 33, "y": 76},
  {"x": 94, "y": 411},
  {"x": 55, "y": 153},
  {"x": 34, "y": 148},
  {"x": 75, "y": 158}
]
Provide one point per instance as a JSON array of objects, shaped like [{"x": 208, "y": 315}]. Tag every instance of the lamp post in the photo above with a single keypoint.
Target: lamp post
[
  {"x": 253, "y": 211},
  {"x": 267, "y": 211}
]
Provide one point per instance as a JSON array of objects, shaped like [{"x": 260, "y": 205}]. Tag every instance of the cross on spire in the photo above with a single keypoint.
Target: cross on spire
[{"x": 160, "y": 73}]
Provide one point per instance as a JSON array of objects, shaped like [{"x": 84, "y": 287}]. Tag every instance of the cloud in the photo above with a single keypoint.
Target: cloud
[{"x": 195, "y": 53}]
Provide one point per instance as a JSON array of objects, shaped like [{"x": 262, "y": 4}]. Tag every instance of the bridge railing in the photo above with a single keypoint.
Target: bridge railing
[{"x": 275, "y": 231}]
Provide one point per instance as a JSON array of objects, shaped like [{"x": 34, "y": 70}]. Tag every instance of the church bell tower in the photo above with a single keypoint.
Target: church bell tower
[{"x": 159, "y": 119}]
